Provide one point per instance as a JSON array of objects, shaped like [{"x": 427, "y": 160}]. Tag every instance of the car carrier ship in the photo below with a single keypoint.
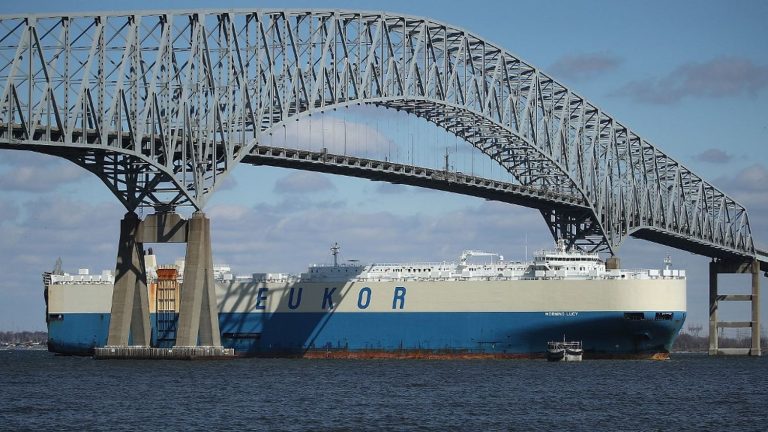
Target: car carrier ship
[{"x": 478, "y": 307}]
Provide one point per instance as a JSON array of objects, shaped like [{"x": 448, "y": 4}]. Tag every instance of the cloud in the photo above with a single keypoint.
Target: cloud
[
  {"x": 391, "y": 188},
  {"x": 717, "y": 78},
  {"x": 747, "y": 180},
  {"x": 228, "y": 183},
  {"x": 337, "y": 135},
  {"x": 60, "y": 214},
  {"x": 82, "y": 233},
  {"x": 748, "y": 187},
  {"x": 16, "y": 157},
  {"x": 269, "y": 238},
  {"x": 283, "y": 236},
  {"x": 581, "y": 67},
  {"x": 302, "y": 182},
  {"x": 713, "y": 155},
  {"x": 30, "y": 172},
  {"x": 227, "y": 212}
]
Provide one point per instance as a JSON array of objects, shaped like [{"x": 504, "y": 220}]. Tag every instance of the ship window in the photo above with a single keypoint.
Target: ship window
[
  {"x": 634, "y": 316},
  {"x": 665, "y": 316}
]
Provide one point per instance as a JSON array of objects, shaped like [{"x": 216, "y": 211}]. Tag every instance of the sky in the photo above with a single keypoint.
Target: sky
[{"x": 689, "y": 76}]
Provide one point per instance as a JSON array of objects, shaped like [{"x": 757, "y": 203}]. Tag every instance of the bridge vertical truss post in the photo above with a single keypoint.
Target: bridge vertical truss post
[
  {"x": 717, "y": 267},
  {"x": 577, "y": 227},
  {"x": 129, "y": 321}
]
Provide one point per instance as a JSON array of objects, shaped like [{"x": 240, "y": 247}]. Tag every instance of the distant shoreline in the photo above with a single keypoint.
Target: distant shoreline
[
  {"x": 23, "y": 338},
  {"x": 684, "y": 343},
  {"x": 688, "y": 343}
]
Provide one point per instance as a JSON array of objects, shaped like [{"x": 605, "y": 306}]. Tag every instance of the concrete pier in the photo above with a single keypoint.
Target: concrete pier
[
  {"x": 198, "y": 316},
  {"x": 130, "y": 303},
  {"x": 613, "y": 263},
  {"x": 717, "y": 267},
  {"x": 198, "y": 323},
  {"x": 756, "y": 308}
]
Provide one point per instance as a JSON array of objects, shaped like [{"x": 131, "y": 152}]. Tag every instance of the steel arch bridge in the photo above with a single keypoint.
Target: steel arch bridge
[{"x": 162, "y": 105}]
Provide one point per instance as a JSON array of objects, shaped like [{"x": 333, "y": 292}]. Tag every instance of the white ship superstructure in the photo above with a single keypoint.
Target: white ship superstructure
[{"x": 557, "y": 264}]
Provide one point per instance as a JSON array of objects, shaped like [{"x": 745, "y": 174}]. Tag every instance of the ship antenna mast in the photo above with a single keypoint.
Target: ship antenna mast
[
  {"x": 57, "y": 267},
  {"x": 526, "y": 247},
  {"x": 335, "y": 252}
]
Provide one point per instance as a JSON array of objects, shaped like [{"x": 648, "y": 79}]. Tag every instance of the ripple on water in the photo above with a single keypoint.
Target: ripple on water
[{"x": 689, "y": 392}]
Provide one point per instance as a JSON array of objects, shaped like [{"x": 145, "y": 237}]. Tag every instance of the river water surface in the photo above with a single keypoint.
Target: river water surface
[{"x": 689, "y": 392}]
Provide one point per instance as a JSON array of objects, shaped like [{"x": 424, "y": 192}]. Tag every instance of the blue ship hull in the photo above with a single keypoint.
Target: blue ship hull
[{"x": 412, "y": 334}]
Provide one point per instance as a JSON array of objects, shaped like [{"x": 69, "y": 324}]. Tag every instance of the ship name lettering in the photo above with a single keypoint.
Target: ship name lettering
[
  {"x": 328, "y": 298},
  {"x": 291, "y": 303},
  {"x": 364, "y": 298},
  {"x": 560, "y": 314},
  {"x": 399, "y": 297},
  {"x": 261, "y": 297}
]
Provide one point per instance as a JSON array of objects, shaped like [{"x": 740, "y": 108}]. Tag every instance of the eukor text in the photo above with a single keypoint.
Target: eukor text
[{"x": 364, "y": 298}]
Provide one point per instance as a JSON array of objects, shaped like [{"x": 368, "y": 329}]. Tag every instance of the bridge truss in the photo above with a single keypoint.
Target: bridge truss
[{"x": 162, "y": 105}]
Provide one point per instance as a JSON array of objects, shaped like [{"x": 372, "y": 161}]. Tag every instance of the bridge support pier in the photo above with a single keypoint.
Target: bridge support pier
[
  {"x": 198, "y": 317},
  {"x": 130, "y": 304},
  {"x": 613, "y": 263},
  {"x": 198, "y": 333},
  {"x": 717, "y": 267}
]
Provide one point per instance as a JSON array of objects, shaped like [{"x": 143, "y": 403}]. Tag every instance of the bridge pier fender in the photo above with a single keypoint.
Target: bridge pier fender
[
  {"x": 717, "y": 267},
  {"x": 198, "y": 316},
  {"x": 130, "y": 303}
]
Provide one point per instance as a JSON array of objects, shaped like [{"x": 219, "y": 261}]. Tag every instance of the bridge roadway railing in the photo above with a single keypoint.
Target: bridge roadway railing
[{"x": 450, "y": 181}]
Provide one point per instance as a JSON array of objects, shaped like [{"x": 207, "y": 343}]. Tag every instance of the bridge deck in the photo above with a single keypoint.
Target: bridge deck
[
  {"x": 762, "y": 255},
  {"x": 450, "y": 181}
]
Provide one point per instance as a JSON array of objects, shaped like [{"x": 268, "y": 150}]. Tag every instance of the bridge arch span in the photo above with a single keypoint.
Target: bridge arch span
[
  {"x": 529, "y": 165},
  {"x": 179, "y": 98}
]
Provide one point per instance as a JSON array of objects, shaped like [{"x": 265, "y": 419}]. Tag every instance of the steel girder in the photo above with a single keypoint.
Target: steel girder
[
  {"x": 161, "y": 105},
  {"x": 431, "y": 178}
]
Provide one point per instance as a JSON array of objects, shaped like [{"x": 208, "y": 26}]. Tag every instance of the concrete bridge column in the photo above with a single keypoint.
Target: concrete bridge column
[
  {"x": 198, "y": 315},
  {"x": 130, "y": 303},
  {"x": 756, "y": 350},
  {"x": 712, "y": 308},
  {"x": 722, "y": 266}
]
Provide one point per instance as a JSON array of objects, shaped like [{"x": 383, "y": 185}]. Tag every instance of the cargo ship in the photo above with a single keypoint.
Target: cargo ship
[{"x": 480, "y": 306}]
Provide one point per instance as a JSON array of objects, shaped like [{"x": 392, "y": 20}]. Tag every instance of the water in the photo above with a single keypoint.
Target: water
[{"x": 690, "y": 392}]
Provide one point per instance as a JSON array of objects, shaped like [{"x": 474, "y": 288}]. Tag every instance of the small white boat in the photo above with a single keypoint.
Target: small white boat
[{"x": 564, "y": 350}]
